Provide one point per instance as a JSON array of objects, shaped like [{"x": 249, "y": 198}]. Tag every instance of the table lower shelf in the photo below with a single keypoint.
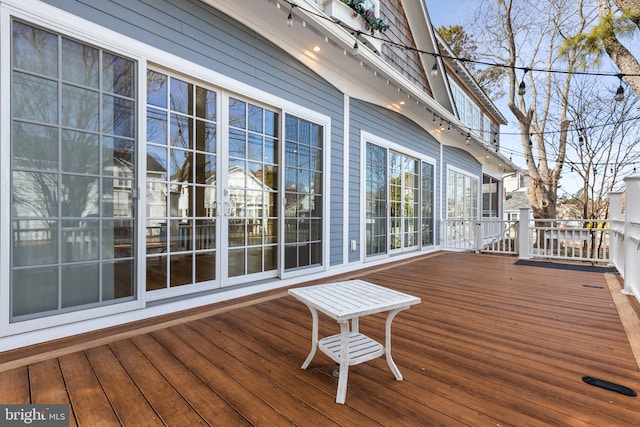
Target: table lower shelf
[{"x": 361, "y": 348}]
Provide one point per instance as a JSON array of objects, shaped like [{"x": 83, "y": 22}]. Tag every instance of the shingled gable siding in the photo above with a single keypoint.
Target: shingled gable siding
[
  {"x": 395, "y": 128},
  {"x": 406, "y": 61},
  {"x": 200, "y": 34}
]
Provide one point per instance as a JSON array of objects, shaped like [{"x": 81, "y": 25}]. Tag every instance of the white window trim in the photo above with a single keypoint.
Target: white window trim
[
  {"x": 367, "y": 137},
  {"x": 69, "y": 25}
]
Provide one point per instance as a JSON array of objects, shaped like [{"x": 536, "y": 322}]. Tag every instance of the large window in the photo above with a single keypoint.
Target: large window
[
  {"x": 303, "y": 193},
  {"x": 471, "y": 114},
  {"x": 398, "y": 201},
  {"x": 376, "y": 199},
  {"x": 403, "y": 198},
  {"x": 72, "y": 174},
  {"x": 427, "y": 214},
  {"x": 462, "y": 195}
]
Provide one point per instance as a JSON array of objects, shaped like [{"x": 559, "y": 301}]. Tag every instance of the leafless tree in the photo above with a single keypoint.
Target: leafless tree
[
  {"x": 526, "y": 36},
  {"x": 605, "y": 146}
]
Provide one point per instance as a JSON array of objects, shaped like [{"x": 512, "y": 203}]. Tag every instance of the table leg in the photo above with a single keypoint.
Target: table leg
[
  {"x": 314, "y": 337},
  {"x": 355, "y": 325},
  {"x": 344, "y": 362},
  {"x": 387, "y": 346}
]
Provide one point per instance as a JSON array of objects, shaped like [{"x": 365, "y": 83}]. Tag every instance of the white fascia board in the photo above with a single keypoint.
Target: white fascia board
[{"x": 344, "y": 40}]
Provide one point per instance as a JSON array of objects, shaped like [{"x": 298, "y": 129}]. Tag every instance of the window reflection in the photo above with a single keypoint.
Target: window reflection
[
  {"x": 252, "y": 183},
  {"x": 34, "y": 147},
  {"x": 35, "y": 242},
  {"x": 118, "y": 75},
  {"x": 66, "y": 218},
  {"x": 80, "y": 152},
  {"x": 181, "y": 181},
  {"x": 156, "y": 126},
  {"x": 80, "y": 65},
  {"x": 156, "y": 89},
  {"x": 34, "y": 50},
  {"x": 35, "y": 98},
  {"x": 303, "y": 193},
  {"x": 35, "y": 194},
  {"x": 118, "y": 116},
  {"x": 181, "y": 96}
]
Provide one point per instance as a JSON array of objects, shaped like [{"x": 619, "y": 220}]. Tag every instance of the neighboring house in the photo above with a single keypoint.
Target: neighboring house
[
  {"x": 515, "y": 195},
  {"x": 160, "y": 155}
]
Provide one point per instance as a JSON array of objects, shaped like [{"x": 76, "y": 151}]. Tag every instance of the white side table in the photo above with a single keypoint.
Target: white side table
[{"x": 344, "y": 302}]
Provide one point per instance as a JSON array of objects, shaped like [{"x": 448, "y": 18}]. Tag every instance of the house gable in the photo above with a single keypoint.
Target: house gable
[{"x": 405, "y": 61}]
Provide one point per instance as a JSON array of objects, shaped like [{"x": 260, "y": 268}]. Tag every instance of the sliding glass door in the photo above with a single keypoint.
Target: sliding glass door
[
  {"x": 403, "y": 202},
  {"x": 398, "y": 201},
  {"x": 250, "y": 190}
]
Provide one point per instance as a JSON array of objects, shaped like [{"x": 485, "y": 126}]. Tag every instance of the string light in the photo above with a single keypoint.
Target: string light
[
  {"x": 461, "y": 59},
  {"x": 434, "y": 69},
  {"x": 619, "y": 96},
  {"x": 620, "y": 92},
  {"x": 632, "y": 161},
  {"x": 522, "y": 88},
  {"x": 290, "y": 17}
]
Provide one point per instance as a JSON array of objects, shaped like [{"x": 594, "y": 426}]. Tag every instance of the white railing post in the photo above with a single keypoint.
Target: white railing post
[
  {"x": 523, "y": 234},
  {"x": 478, "y": 236},
  {"x": 616, "y": 228},
  {"x": 615, "y": 206},
  {"x": 632, "y": 237}
]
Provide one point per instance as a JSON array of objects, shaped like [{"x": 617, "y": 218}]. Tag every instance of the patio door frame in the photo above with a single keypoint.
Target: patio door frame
[
  {"x": 222, "y": 191},
  {"x": 389, "y": 146}
]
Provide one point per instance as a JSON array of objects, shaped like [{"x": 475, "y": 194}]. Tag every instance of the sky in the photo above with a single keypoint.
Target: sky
[{"x": 452, "y": 12}]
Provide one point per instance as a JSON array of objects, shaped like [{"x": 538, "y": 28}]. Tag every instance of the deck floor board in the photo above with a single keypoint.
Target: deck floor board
[{"x": 492, "y": 343}]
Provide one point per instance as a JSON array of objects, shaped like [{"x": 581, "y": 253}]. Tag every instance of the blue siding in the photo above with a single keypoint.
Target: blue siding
[
  {"x": 395, "y": 128},
  {"x": 201, "y": 34},
  {"x": 462, "y": 160}
]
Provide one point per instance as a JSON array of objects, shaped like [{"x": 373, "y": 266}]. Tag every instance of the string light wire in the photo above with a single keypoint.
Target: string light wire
[
  {"x": 522, "y": 87},
  {"x": 462, "y": 59}
]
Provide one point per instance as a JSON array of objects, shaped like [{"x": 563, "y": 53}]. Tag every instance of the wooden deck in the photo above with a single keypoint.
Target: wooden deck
[{"x": 491, "y": 344}]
